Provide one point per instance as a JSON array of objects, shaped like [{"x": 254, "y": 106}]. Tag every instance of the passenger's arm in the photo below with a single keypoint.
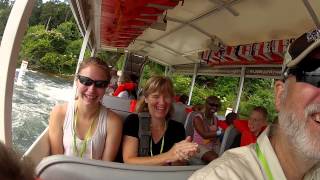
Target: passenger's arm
[
  {"x": 180, "y": 151},
  {"x": 113, "y": 140},
  {"x": 200, "y": 128},
  {"x": 56, "y": 121}
]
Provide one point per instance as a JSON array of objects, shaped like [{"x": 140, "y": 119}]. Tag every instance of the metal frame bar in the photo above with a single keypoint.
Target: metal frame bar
[
  {"x": 77, "y": 10},
  {"x": 225, "y": 6},
  {"x": 189, "y": 23},
  {"x": 80, "y": 10},
  {"x": 243, "y": 70},
  {"x": 195, "y": 71},
  {"x": 312, "y": 13},
  {"x": 84, "y": 45},
  {"x": 10, "y": 45},
  {"x": 93, "y": 52},
  {"x": 74, "y": 12},
  {"x": 165, "y": 47},
  {"x": 81, "y": 55}
]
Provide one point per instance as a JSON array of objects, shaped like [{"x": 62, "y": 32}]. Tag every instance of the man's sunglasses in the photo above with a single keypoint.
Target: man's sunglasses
[
  {"x": 310, "y": 77},
  {"x": 88, "y": 82}
]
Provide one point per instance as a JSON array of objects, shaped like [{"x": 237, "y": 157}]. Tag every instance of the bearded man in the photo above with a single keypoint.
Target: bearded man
[{"x": 290, "y": 148}]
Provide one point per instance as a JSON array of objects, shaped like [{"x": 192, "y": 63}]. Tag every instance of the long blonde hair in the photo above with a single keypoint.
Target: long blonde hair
[
  {"x": 160, "y": 84},
  {"x": 97, "y": 62}
]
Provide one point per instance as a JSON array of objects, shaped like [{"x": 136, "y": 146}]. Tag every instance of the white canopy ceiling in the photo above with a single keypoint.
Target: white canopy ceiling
[{"x": 192, "y": 26}]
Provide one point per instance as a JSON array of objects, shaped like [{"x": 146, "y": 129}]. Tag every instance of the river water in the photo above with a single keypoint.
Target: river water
[{"x": 32, "y": 102}]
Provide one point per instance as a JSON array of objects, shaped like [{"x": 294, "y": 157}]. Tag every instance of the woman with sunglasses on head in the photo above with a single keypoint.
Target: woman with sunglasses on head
[
  {"x": 83, "y": 127},
  {"x": 166, "y": 142}
]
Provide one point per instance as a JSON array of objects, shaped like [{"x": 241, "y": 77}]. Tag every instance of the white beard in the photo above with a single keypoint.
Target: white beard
[{"x": 298, "y": 132}]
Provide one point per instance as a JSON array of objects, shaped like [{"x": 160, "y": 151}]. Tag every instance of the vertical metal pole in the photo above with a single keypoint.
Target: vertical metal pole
[
  {"x": 195, "y": 71},
  {"x": 166, "y": 71},
  {"x": 93, "y": 52},
  {"x": 81, "y": 56},
  {"x": 243, "y": 70},
  {"x": 312, "y": 13},
  {"x": 9, "y": 50},
  {"x": 84, "y": 46}
]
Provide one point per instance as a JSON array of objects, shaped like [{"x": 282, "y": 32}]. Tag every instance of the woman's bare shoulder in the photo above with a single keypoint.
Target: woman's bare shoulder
[
  {"x": 113, "y": 117},
  {"x": 59, "y": 111}
]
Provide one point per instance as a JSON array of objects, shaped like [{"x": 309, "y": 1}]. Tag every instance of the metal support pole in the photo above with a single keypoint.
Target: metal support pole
[
  {"x": 243, "y": 70},
  {"x": 10, "y": 46},
  {"x": 93, "y": 52},
  {"x": 166, "y": 71},
  {"x": 195, "y": 71},
  {"x": 84, "y": 46},
  {"x": 81, "y": 56},
  {"x": 312, "y": 13}
]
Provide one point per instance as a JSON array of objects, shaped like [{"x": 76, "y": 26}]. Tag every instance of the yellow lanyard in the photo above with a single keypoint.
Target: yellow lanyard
[
  {"x": 162, "y": 142},
  {"x": 264, "y": 162},
  {"x": 87, "y": 136}
]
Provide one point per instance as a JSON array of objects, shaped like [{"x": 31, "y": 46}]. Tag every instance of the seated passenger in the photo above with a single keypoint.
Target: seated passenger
[
  {"x": 257, "y": 123},
  {"x": 126, "y": 88},
  {"x": 84, "y": 127},
  {"x": 167, "y": 143},
  {"x": 206, "y": 132},
  {"x": 205, "y": 124},
  {"x": 231, "y": 117},
  {"x": 180, "y": 114},
  {"x": 112, "y": 86}
]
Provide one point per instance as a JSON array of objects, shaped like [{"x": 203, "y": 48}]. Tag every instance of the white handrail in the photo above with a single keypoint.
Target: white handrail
[{"x": 9, "y": 50}]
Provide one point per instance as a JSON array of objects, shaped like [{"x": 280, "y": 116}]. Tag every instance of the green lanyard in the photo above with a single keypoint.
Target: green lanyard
[
  {"x": 87, "y": 136},
  {"x": 162, "y": 142},
  {"x": 264, "y": 162}
]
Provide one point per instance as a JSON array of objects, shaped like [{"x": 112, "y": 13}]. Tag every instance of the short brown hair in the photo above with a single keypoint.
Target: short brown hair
[
  {"x": 261, "y": 110},
  {"x": 215, "y": 99},
  {"x": 155, "y": 84}
]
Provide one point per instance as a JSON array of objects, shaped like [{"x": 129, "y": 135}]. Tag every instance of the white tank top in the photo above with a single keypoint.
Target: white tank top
[{"x": 95, "y": 144}]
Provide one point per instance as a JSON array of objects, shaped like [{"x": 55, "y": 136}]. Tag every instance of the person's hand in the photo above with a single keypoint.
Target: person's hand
[{"x": 183, "y": 150}]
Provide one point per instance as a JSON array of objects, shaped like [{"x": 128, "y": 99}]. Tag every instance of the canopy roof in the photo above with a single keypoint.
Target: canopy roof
[{"x": 193, "y": 27}]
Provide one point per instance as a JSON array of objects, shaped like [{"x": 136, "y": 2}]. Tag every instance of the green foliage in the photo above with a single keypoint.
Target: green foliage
[
  {"x": 151, "y": 68},
  {"x": 112, "y": 58},
  {"x": 120, "y": 63},
  {"x": 5, "y": 9},
  {"x": 57, "y": 63},
  {"x": 36, "y": 12},
  {"x": 257, "y": 92},
  {"x": 54, "y": 13},
  {"x": 73, "y": 47},
  {"x": 69, "y": 30},
  {"x": 38, "y": 42},
  {"x": 181, "y": 84}
]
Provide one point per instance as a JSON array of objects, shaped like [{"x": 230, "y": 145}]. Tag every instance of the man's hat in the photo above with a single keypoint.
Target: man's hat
[{"x": 301, "y": 54}]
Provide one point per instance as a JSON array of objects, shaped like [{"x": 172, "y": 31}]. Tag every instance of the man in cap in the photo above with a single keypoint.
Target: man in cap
[{"x": 289, "y": 149}]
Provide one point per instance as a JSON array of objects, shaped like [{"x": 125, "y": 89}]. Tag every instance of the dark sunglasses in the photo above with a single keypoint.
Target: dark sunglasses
[
  {"x": 310, "y": 77},
  {"x": 88, "y": 82}
]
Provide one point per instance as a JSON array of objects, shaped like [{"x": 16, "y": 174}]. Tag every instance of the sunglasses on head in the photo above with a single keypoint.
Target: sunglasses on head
[
  {"x": 310, "y": 77},
  {"x": 88, "y": 82}
]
